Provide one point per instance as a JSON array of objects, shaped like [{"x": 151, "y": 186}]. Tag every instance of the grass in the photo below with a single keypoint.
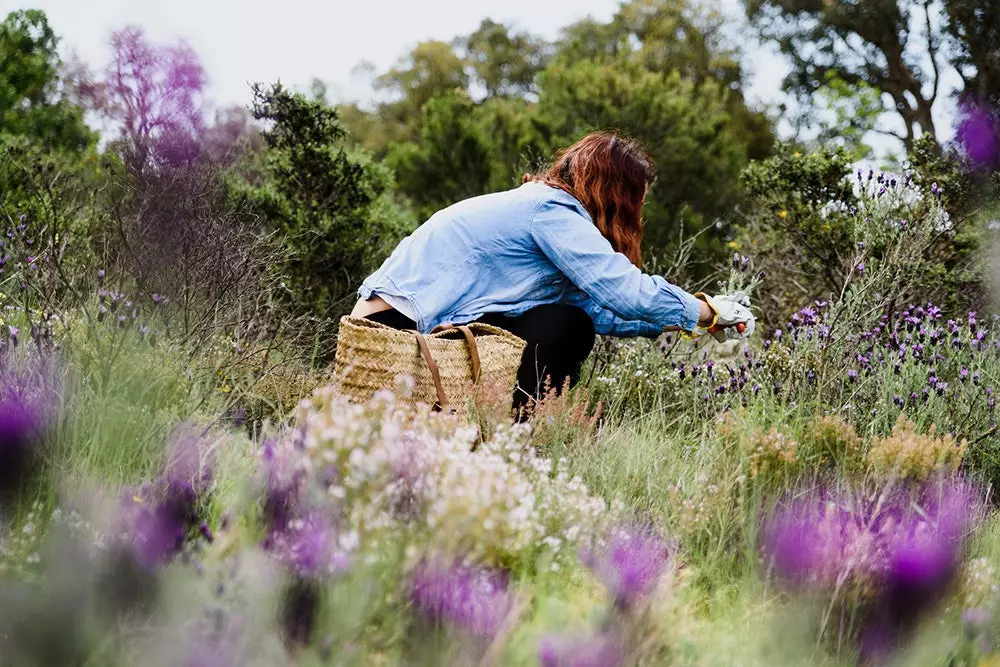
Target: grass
[{"x": 662, "y": 457}]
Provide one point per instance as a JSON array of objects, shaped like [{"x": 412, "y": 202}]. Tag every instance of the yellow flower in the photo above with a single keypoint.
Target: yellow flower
[
  {"x": 783, "y": 214},
  {"x": 733, "y": 245},
  {"x": 796, "y": 154}
]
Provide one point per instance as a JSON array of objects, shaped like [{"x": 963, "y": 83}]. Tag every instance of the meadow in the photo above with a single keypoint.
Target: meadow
[
  {"x": 181, "y": 483},
  {"x": 821, "y": 496}
]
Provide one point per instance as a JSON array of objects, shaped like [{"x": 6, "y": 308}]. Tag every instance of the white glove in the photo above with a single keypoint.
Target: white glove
[{"x": 730, "y": 310}]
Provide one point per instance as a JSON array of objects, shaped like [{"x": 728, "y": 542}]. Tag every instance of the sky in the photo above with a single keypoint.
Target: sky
[{"x": 243, "y": 41}]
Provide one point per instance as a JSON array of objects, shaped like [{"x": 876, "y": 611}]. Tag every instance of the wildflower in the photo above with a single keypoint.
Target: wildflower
[
  {"x": 100, "y": 274},
  {"x": 978, "y": 135},
  {"x": 298, "y": 612},
  {"x": 20, "y": 429},
  {"x": 603, "y": 650},
  {"x": 157, "y": 530},
  {"x": 473, "y": 599},
  {"x": 852, "y": 375},
  {"x": 631, "y": 564},
  {"x": 308, "y": 547},
  {"x": 783, "y": 214}
]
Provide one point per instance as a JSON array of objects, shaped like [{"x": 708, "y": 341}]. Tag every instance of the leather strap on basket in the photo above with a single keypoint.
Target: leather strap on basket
[
  {"x": 470, "y": 340},
  {"x": 433, "y": 368}
]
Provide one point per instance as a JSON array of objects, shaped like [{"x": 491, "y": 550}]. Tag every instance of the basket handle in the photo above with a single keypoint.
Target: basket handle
[
  {"x": 433, "y": 368},
  {"x": 470, "y": 340}
]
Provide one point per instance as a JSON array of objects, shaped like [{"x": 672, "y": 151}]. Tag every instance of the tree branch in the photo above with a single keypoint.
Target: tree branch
[{"x": 932, "y": 51}]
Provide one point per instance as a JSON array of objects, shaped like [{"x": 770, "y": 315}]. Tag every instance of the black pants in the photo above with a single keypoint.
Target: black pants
[{"x": 559, "y": 339}]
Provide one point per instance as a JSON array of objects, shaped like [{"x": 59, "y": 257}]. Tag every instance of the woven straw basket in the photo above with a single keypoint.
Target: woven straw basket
[{"x": 443, "y": 364}]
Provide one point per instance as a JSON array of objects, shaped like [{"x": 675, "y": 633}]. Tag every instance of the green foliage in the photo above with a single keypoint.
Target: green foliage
[
  {"x": 686, "y": 127},
  {"x": 452, "y": 160},
  {"x": 32, "y": 101},
  {"x": 41, "y": 130},
  {"x": 321, "y": 197},
  {"x": 897, "y": 48},
  {"x": 660, "y": 71},
  {"x": 504, "y": 62},
  {"x": 854, "y": 111}
]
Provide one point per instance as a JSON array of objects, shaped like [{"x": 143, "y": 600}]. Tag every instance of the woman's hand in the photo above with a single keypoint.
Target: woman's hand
[{"x": 726, "y": 313}]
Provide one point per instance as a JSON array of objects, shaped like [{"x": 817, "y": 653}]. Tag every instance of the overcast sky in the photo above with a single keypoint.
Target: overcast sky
[{"x": 241, "y": 41}]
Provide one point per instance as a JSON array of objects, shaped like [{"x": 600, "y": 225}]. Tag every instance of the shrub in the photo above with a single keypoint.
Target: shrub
[{"x": 913, "y": 455}]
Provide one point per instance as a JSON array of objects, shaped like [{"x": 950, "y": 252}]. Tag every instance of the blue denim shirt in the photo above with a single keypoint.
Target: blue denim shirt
[{"x": 510, "y": 251}]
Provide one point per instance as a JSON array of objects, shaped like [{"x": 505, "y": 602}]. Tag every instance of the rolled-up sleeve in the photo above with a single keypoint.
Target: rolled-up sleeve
[{"x": 578, "y": 249}]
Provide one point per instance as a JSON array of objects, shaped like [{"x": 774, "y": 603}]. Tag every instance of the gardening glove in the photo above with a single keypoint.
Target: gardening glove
[{"x": 732, "y": 317}]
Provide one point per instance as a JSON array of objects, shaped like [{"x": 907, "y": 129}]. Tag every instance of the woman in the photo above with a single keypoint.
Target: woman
[{"x": 554, "y": 262}]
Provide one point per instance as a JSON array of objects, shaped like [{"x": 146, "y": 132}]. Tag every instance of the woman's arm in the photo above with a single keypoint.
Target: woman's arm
[
  {"x": 608, "y": 323},
  {"x": 571, "y": 241}
]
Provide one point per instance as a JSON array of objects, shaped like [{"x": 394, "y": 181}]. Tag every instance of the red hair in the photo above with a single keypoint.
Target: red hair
[{"x": 609, "y": 175}]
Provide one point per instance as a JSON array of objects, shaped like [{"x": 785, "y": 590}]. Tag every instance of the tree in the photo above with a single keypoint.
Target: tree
[
  {"x": 974, "y": 29},
  {"x": 327, "y": 203},
  {"x": 430, "y": 69},
  {"x": 846, "y": 115},
  {"x": 452, "y": 160},
  {"x": 155, "y": 94},
  {"x": 33, "y": 103},
  {"x": 686, "y": 127},
  {"x": 504, "y": 62},
  {"x": 899, "y": 48},
  {"x": 666, "y": 36}
]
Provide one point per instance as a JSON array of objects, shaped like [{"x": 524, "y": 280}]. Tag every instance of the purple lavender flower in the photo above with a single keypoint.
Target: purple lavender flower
[
  {"x": 20, "y": 430},
  {"x": 308, "y": 546},
  {"x": 157, "y": 520},
  {"x": 978, "y": 135},
  {"x": 473, "y": 599},
  {"x": 852, "y": 375},
  {"x": 861, "y": 268},
  {"x": 100, "y": 274},
  {"x": 809, "y": 537},
  {"x": 603, "y": 650},
  {"x": 631, "y": 564}
]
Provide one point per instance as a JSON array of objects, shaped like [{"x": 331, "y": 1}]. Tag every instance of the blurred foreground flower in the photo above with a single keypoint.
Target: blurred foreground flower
[
  {"x": 20, "y": 431},
  {"x": 631, "y": 563},
  {"x": 26, "y": 389},
  {"x": 602, "y": 650},
  {"x": 161, "y": 515},
  {"x": 978, "y": 135},
  {"x": 895, "y": 554},
  {"x": 473, "y": 599}
]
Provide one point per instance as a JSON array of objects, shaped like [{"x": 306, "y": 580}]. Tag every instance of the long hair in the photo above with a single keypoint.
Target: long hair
[{"x": 609, "y": 175}]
